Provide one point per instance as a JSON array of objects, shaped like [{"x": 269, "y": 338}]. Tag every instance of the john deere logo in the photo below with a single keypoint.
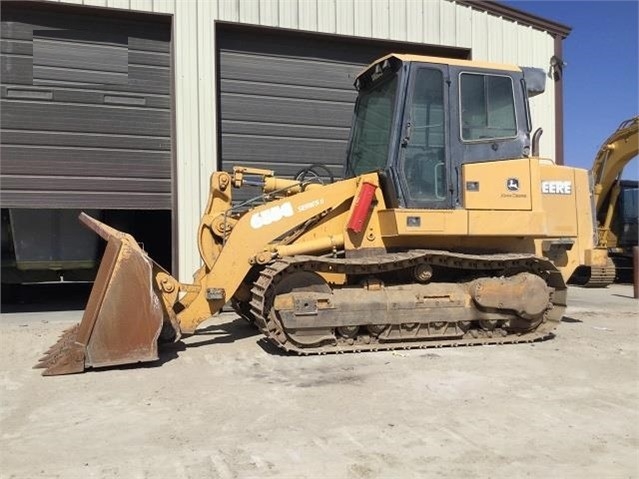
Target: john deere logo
[{"x": 512, "y": 184}]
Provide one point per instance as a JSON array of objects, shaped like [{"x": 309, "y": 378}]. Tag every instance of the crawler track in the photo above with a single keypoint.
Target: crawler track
[
  {"x": 601, "y": 277},
  {"x": 263, "y": 296}
]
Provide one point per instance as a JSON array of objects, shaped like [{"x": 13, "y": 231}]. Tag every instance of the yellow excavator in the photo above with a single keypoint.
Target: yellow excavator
[
  {"x": 448, "y": 230},
  {"x": 615, "y": 207}
]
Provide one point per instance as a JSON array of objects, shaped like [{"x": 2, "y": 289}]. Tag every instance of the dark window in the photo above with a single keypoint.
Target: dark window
[
  {"x": 630, "y": 209},
  {"x": 487, "y": 106},
  {"x": 424, "y": 153},
  {"x": 372, "y": 128}
]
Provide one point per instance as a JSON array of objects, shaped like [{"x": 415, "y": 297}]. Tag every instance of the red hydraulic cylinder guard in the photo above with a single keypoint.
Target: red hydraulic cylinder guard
[{"x": 363, "y": 202}]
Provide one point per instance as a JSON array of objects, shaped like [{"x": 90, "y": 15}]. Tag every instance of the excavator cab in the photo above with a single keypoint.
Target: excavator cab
[{"x": 418, "y": 120}]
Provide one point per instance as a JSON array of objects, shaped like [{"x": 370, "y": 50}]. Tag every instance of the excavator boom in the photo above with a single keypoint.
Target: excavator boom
[{"x": 613, "y": 156}]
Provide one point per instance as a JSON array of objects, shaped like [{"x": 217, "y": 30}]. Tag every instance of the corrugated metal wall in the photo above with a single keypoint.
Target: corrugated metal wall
[{"x": 440, "y": 22}]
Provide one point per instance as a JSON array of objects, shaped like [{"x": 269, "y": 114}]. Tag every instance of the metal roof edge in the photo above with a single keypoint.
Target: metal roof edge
[{"x": 519, "y": 16}]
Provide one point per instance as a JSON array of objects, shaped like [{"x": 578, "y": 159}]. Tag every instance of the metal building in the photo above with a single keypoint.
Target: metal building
[{"x": 129, "y": 105}]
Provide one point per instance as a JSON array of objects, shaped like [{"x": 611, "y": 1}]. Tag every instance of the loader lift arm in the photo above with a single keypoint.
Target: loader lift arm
[
  {"x": 172, "y": 309},
  {"x": 228, "y": 258}
]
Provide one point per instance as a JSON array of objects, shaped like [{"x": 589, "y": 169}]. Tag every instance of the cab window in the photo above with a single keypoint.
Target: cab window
[
  {"x": 373, "y": 127},
  {"x": 487, "y": 107}
]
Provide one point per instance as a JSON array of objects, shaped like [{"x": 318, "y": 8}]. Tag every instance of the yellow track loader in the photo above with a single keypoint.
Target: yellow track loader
[{"x": 447, "y": 230}]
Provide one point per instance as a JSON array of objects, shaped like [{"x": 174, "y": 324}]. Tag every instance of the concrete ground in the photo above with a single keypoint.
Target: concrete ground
[{"x": 222, "y": 406}]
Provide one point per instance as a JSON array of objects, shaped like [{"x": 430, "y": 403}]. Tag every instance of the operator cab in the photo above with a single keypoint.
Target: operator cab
[{"x": 419, "y": 119}]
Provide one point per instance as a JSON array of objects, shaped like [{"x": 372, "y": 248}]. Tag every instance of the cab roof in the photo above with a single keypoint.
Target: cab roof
[{"x": 404, "y": 57}]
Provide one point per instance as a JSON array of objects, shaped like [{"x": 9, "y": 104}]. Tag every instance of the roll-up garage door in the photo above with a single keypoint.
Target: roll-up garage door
[
  {"x": 86, "y": 109},
  {"x": 286, "y": 98}
]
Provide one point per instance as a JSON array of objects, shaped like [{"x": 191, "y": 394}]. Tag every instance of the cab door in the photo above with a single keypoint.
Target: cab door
[{"x": 423, "y": 162}]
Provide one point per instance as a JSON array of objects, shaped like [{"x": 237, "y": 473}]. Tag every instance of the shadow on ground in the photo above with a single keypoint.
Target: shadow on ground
[
  {"x": 233, "y": 330},
  {"x": 228, "y": 332},
  {"x": 623, "y": 296},
  {"x": 567, "y": 319}
]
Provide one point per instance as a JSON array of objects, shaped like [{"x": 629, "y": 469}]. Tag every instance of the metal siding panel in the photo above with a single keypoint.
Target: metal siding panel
[
  {"x": 249, "y": 11},
  {"x": 447, "y": 23},
  {"x": 344, "y": 20},
  {"x": 269, "y": 13},
  {"x": 397, "y": 20},
  {"x": 187, "y": 135},
  {"x": 307, "y": 11},
  {"x": 480, "y": 35},
  {"x": 464, "y": 25},
  {"x": 544, "y": 105},
  {"x": 95, "y": 3},
  {"x": 380, "y": 19},
  {"x": 208, "y": 162},
  {"x": 123, "y": 4},
  {"x": 141, "y": 5},
  {"x": 164, "y": 6},
  {"x": 510, "y": 45},
  {"x": 206, "y": 97},
  {"x": 495, "y": 39},
  {"x": 535, "y": 48},
  {"x": 363, "y": 18},
  {"x": 326, "y": 16},
  {"x": 288, "y": 15},
  {"x": 432, "y": 33},
  {"x": 524, "y": 42},
  {"x": 228, "y": 10},
  {"x": 414, "y": 20}
]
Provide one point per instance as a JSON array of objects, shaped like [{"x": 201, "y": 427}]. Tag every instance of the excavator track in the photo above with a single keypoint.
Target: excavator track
[
  {"x": 264, "y": 292},
  {"x": 600, "y": 277}
]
